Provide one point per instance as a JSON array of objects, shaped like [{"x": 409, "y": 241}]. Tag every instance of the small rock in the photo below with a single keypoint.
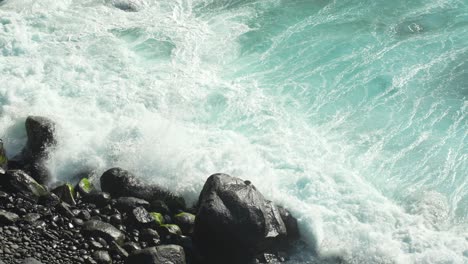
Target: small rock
[
  {"x": 150, "y": 235},
  {"x": 160, "y": 206},
  {"x": 85, "y": 186},
  {"x": 158, "y": 218},
  {"x": 100, "y": 229},
  {"x": 32, "y": 217},
  {"x": 31, "y": 261},
  {"x": 118, "y": 250},
  {"x": 100, "y": 199},
  {"x": 66, "y": 193},
  {"x": 141, "y": 217},
  {"x": 8, "y": 218},
  {"x": 131, "y": 247},
  {"x": 156, "y": 255},
  {"x": 126, "y": 204},
  {"x": 102, "y": 257},
  {"x": 170, "y": 231},
  {"x": 186, "y": 222}
]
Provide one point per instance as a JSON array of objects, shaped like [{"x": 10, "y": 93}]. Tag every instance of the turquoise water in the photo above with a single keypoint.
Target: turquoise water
[{"x": 351, "y": 113}]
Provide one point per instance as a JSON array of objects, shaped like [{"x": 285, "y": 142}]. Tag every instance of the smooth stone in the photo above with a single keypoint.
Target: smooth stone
[
  {"x": 107, "y": 231},
  {"x": 185, "y": 221},
  {"x": 157, "y": 255},
  {"x": 121, "y": 183},
  {"x": 126, "y": 204},
  {"x": 235, "y": 222},
  {"x": 102, "y": 257},
  {"x": 8, "y": 217}
]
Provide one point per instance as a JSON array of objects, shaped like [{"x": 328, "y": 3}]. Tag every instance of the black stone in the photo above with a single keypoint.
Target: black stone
[
  {"x": 100, "y": 199},
  {"x": 185, "y": 221},
  {"x": 102, "y": 257},
  {"x": 141, "y": 217},
  {"x": 150, "y": 236},
  {"x": 7, "y": 218},
  {"x": 118, "y": 250},
  {"x": 66, "y": 193},
  {"x": 41, "y": 135},
  {"x": 31, "y": 217},
  {"x": 157, "y": 255},
  {"x": 31, "y": 261},
  {"x": 160, "y": 207},
  {"x": 234, "y": 221},
  {"x": 121, "y": 183},
  {"x": 97, "y": 228},
  {"x": 126, "y": 204},
  {"x": 19, "y": 182},
  {"x": 131, "y": 247}
]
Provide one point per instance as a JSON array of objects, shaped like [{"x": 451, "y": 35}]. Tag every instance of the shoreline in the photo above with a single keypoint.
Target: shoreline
[{"x": 130, "y": 221}]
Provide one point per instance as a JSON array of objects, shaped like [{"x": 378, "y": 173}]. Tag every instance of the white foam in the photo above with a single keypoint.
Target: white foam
[{"x": 159, "y": 92}]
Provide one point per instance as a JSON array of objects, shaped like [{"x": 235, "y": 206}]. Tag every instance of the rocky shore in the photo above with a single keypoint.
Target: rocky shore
[{"x": 130, "y": 221}]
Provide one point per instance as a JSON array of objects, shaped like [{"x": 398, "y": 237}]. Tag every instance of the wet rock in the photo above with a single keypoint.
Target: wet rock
[
  {"x": 41, "y": 135},
  {"x": 50, "y": 200},
  {"x": 234, "y": 221},
  {"x": 118, "y": 250},
  {"x": 31, "y": 217},
  {"x": 150, "y": 236},
  {"x": 160, "y": 207},
  {"x": 290, "y": 222},
  {"x": 31, "y": 261},
  {"x": 115, "y": 219},
  {"x": 121, "y": 183},
  {"x": 126, "y": 204},
  {"x": 3, "y": 159},
  {"x": 98, "y": 228},
  {"x": 38, "y": 170},
  {"x": 85, "y": 187},
  {"x": 102, "y": 257},
  {"x": 141, "y": 217},
  {"x": 8, "y": 218},
  {"x": 66, "y": 193},
  {"x": 100, "y": 199},
  {"x": 131, "y": 247},
  {"x": 169, "y": 232},
  {"x": 155, "y": 255},
  {"x": 185, "y": 221},
  {"x": 158, "y": 218},
  {"x": 19, "y": 182},
  {"x": 64, "y": 209}
]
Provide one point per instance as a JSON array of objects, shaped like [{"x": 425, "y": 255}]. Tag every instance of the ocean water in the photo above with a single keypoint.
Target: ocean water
[{"x": 353, "y": 114}]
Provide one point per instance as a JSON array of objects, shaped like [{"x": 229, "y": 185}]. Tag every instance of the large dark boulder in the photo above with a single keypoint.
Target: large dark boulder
[
  {"x": 235, "y": 222},
  {"x": 18, "y": 181},
  {"x": 41, "y": 135},
  {"x": 96, "y": 228},
  {"x": 291, "y": 224},
  {"x": 170, "y": 254},
  {"x": 120, "y": 183}
]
